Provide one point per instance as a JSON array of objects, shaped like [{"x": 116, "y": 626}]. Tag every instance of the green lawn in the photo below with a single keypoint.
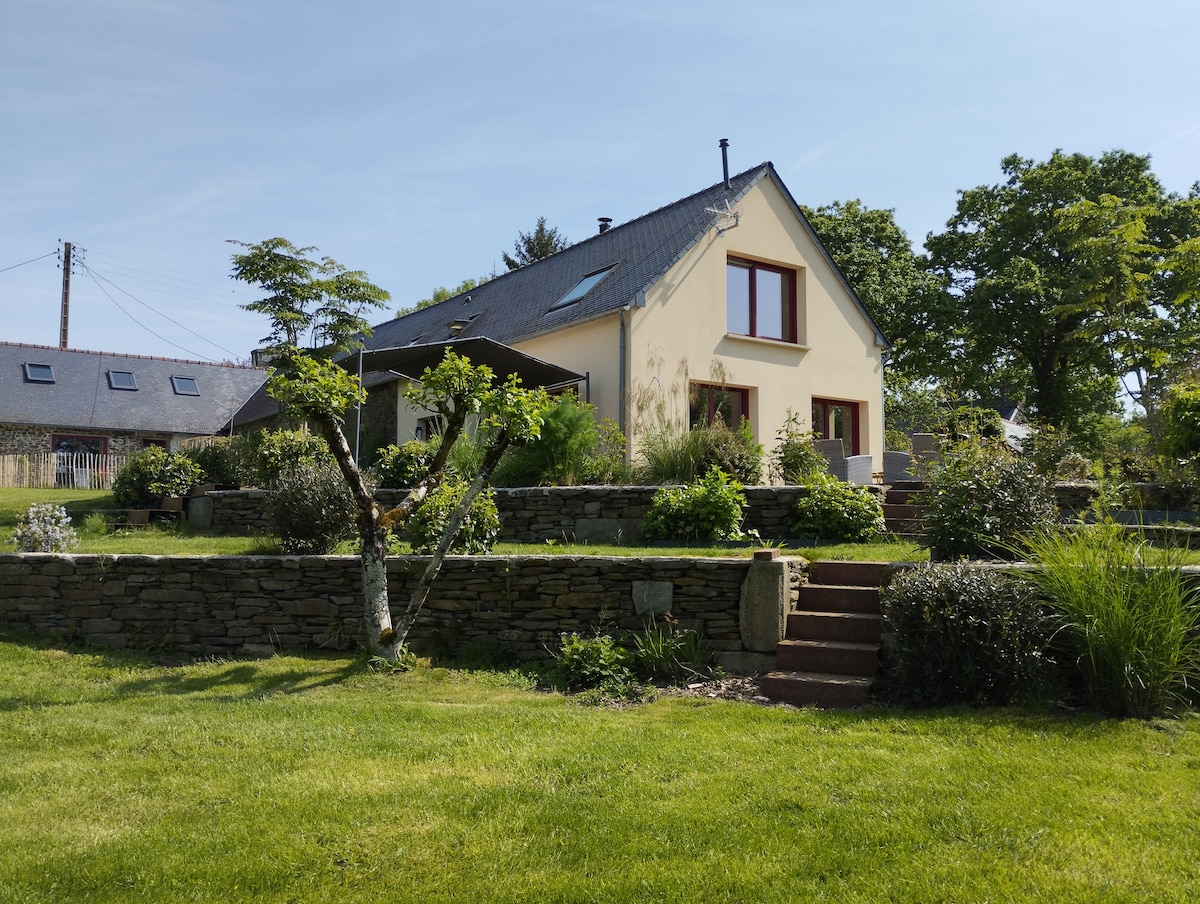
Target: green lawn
[{"x": 312, "y": 780}]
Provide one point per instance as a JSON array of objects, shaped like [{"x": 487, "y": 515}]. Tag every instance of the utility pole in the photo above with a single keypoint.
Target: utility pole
[{"x": 66, "y": 295}]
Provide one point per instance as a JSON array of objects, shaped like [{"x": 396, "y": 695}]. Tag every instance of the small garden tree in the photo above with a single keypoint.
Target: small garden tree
[{"x": 321, "y": 297}]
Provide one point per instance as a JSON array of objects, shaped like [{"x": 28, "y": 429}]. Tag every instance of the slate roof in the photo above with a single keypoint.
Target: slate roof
[
  {"x": 517, "y": 305},
  {"x": 80, "y": 398}
]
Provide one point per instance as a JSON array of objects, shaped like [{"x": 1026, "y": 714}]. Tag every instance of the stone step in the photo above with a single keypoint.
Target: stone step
[
  {"x": 848, "y": 574},
  {"x": 817, "y": 689},
  {"x": 897, "y": 495},
  {"x": 828, "y": 656},
  {"x": 848, "y": 627},
  {"x": 838, "y": 598}
]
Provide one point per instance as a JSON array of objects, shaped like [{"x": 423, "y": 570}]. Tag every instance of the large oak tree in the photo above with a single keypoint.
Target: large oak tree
[{"x": 1068, "y": 277}]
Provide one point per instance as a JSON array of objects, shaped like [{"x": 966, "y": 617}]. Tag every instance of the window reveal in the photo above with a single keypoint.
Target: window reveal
[{"x": 760, "y": 300}]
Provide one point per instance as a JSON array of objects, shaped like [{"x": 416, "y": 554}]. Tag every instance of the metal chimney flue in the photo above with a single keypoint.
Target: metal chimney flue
[
  {"x": 605, "y": 224},
  {"x": 725, "y": 161}
]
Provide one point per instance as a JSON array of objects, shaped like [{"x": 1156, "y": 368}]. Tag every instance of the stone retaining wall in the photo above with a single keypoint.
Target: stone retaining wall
[
  {"x": 535, "y": 514},
  {"x": 226, "y": 605}
]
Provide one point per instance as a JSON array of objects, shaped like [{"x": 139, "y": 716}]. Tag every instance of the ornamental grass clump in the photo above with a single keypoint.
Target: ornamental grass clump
[
  {"x": 45, "y": 527},
  {"x": 1133, "y": 626}
]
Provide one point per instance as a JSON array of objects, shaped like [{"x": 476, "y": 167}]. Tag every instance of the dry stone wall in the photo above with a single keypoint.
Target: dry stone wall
[
  {"x": 226, "y": 605},
  {"x": 539, "y": 514}
]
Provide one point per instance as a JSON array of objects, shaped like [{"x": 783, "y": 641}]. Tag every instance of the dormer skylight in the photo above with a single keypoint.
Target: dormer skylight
[
  {"x": 39, "y": 373},
  {"x": 460, "y": 324},
  {"x": 582, "y": 287},
  {"x": 185, "y": 386},
  {"x": 122, "y": 379}
]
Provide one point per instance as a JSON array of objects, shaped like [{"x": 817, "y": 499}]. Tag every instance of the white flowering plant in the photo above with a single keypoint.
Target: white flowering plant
[{"x": 45, "y": 527}]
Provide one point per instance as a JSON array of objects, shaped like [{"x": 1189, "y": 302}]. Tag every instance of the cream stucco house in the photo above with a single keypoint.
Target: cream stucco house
[{"x": 723, "y": 304}]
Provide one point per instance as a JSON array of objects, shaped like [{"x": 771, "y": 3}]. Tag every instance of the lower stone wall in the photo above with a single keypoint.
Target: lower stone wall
[
  {"x": 538, "y": 514},
  {"x": 227, "y": 605}
]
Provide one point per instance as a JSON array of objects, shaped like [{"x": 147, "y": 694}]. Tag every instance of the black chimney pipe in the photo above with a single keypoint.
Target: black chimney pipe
[
  {"x": 605, "y": 223},
  {"x": 725, "y": 160}
]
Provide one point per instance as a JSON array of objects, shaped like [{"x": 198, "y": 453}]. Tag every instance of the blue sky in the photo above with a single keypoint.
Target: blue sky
[{"x": 413, "y": 141}]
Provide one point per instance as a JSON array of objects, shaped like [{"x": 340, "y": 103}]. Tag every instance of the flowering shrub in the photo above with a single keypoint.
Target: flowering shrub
[
  {"x": 45, "y": 527},
  {"x": 965, "y": 635},
  {"x": 478, "y": 533},
  {"x": 153, "y": 473},
  {"x": 833, "y": 510},
  {"x": 709, "y": 509},
  {"x": 982, "y": 500},
  {"x": 311, "y": 508}
]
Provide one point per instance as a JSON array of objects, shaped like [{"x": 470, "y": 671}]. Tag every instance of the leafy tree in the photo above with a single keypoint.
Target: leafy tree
[
  {"x": 1181, "y": 438},
  {"x": 305, "y": 294},
  {"x": 1067, "y": 276},
  {"x": 905, "y": 298},
  {"x": 441, "y": 293},
  {"x": 533, "y": 246}
]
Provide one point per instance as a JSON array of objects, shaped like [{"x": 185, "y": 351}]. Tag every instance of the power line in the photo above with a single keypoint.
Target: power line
[
  {"x": 96, "y": 278},
  {"x": 196, "y": 288},
  {"x": 23, "y": 263}
]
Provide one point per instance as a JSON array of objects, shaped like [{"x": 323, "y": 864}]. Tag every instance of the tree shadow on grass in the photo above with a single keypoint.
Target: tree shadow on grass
[{"x": 142, "y": 673}]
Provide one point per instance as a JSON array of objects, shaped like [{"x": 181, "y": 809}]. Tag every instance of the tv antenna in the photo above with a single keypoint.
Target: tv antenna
[{"x": 727, "y": 217}]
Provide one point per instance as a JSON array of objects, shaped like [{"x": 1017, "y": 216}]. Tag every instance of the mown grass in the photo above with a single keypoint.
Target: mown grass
[
  {"x": 311, "y": 779},
  {"x": 181, "y": 540}
]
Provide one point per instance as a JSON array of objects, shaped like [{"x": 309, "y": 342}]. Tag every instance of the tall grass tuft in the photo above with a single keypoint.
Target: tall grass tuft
[{"x": 1135, "y": 627}]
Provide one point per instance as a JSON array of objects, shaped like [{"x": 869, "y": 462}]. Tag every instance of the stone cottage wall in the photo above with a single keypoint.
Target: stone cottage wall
[
  {"x": 21, "y": 439},
  {"x": 226, "y": 605}
]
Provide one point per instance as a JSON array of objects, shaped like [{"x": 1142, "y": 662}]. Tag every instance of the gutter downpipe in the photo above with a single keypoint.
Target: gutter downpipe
[
  {"x": 622, "y": 376},
  {"x": 358, "y": 410}
]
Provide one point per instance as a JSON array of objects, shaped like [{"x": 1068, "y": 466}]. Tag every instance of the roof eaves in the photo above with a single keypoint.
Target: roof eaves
[{"x": 760, "y": 171}]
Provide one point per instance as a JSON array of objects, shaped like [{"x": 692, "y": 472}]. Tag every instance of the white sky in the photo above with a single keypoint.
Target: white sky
[{"x": 413, "y": 141}]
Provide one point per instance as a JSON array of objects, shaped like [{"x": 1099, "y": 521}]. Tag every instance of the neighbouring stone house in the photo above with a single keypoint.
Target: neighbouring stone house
[{"x": 55, "y": 400}]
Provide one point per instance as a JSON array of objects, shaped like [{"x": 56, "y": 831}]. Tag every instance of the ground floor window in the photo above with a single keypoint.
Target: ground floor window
[
  {"x": 832, "y": 419},
  {"x": 710, "y": 404},
  {"x": 428, "y": 427},
  {"x": 75, "y": 445}
]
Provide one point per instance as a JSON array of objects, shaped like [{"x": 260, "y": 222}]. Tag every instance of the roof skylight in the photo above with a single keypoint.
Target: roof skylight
[
  {"x": 39, "y": 373},
  {"x": 121, "y": 379},
  {"x": 582, "y": 287},
  {"x": 185, "y": 386}
]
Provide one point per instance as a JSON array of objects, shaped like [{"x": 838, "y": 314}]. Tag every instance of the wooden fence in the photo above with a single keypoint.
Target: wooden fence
[{"x": 46, "y": 470}]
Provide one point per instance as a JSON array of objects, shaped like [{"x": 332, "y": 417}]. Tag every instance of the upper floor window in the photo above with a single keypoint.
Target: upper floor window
[
  {"x": 760, "y": 300},
  {"x": 39, "y": 373},
  {"x": 121, "y": 379}
]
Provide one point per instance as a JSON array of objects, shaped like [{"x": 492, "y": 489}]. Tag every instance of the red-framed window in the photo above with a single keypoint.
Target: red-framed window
[
  {"x": 72, "y": 444},
  {"x": 760, "y": 300},
  {"x": 709, "y": 404},
  {"x": 835, "y": 419}
]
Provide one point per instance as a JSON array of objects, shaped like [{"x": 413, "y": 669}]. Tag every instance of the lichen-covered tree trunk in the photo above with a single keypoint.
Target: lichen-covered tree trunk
[
  {"x": 372, "y": 531},
  {"x": 453, "y": 525}
]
